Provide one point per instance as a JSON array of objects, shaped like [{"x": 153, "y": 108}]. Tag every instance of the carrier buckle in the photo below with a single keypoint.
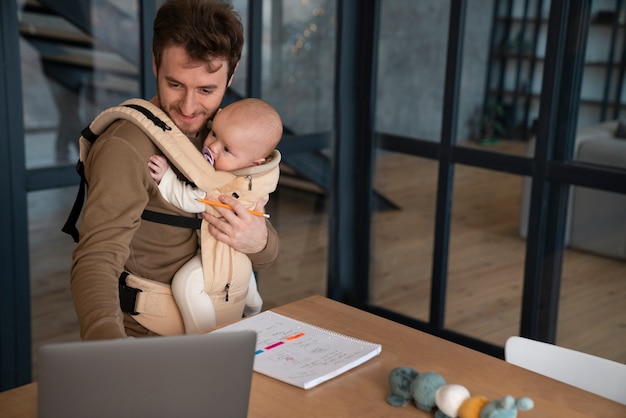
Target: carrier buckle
[{"x": 128, "y": 295}]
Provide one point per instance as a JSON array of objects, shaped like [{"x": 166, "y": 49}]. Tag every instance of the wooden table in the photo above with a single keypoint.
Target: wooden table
[{"x": 363, "y": 390}]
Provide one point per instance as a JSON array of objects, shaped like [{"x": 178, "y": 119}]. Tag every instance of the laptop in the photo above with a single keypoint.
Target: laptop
[{"x": 176, "y": 376}]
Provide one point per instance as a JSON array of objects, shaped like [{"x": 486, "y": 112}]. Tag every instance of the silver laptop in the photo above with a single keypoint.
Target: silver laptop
[{"x": 179, "y": 376}]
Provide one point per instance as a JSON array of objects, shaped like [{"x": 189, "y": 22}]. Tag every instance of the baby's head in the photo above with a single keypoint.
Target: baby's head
[{"x": 243, "y": 134}]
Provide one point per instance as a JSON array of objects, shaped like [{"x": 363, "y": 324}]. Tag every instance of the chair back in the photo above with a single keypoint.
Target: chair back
[{"x": 594, "y": 374}]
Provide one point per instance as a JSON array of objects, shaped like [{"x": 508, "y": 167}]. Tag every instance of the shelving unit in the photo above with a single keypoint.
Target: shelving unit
[{"x": 517, "y": 51}]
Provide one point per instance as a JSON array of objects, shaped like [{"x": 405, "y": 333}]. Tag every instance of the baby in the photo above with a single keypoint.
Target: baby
[{"x": 243, "y": 134}]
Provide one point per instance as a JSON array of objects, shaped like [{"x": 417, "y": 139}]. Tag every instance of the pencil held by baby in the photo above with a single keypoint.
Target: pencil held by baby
[{"x": 224, "y": 205}]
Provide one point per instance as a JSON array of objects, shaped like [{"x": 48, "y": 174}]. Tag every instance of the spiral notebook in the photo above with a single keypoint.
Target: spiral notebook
[{"x": 301, "y": 354}]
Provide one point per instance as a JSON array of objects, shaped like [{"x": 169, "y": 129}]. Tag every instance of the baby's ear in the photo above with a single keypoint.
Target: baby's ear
[{"x": 259, "y": 161}]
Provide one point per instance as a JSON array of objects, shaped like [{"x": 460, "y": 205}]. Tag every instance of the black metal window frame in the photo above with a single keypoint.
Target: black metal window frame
[
  {"x": 353, "y": 144},
  {"x": 551, "y": 169},
  {"x": 15, "y": 349}
]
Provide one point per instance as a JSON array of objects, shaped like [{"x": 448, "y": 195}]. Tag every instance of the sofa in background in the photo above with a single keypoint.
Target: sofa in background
[{"x": 596, "y": 219}]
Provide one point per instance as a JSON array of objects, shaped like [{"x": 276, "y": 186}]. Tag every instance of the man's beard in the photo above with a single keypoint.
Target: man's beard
[
  {"x": 189, "y": 133},
  {"x": 185, "y": 128}
]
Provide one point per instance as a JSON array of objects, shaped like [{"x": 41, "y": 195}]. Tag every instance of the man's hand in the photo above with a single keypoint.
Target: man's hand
[{"x": 238, "y": 228}]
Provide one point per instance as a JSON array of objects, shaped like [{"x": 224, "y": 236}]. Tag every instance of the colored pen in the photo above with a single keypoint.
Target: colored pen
[{"x": 223, "y": 205}]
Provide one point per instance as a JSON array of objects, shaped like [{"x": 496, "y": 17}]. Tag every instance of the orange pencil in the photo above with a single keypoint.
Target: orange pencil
[{"x": 223, "y": 205}]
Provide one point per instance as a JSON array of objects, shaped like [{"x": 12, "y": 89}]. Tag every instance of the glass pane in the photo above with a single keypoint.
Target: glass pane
[
  {"x": 409, "y": 100},
  {"x": 486, "y": 262},
  {"x": 402, "y": 236},
  {"x": 240, "y": 80},
  {"x": 50, "y": 251},
  {"x": 77, "y": 58},
  {"x": 299, "y": 62},
  {"x": 602, "y": 98},
  {"x": 592, "y": 314},
  {"x": 298, "y": 54},
  {"x": 299, "y": 214},
  {"x": 411, "y": 68},
  {"x": 502, "y": 73}
]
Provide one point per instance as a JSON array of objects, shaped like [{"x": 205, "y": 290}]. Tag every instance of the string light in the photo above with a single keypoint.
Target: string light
[{"x": 307, "y": 32}]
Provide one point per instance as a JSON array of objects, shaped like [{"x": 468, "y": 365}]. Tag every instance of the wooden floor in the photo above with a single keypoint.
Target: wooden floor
[{"x": 485, "y": 264}]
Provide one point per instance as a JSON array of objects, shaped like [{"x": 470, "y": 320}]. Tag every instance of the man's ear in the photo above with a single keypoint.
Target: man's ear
[
  {"x": 230, "y": 80},
  {"x": 154, "y": 67}
]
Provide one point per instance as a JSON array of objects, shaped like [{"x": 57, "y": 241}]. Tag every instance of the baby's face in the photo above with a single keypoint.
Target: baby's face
[
  {"x": 224, "y": 155},
  {"x": 230, "y": 146}
]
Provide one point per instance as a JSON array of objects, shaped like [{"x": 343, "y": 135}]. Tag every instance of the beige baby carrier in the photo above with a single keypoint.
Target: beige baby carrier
[{"x": 226, "y": 271}]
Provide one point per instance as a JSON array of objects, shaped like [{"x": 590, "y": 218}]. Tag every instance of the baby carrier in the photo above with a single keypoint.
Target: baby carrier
[{"x": 151, "y": 302}]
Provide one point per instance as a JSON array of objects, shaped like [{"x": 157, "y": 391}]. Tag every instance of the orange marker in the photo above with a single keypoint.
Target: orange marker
[{"x": 223, "y": 205}]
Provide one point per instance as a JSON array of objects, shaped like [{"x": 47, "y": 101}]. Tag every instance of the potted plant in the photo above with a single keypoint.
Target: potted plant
[{"x": 492, "y": 127}]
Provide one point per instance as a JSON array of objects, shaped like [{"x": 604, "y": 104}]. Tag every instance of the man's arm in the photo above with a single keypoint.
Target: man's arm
[
  {"x": 114, "y": 238},
  {"x": 115, "y": 200},
  {"x": 267, "y": 255}
]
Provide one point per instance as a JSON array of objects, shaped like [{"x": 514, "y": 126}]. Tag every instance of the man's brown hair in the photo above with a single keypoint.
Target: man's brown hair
[{"x": 206, "y": 29}]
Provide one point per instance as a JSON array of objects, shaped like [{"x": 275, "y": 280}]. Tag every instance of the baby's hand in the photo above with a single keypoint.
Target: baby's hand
[{"x": 158, "y": 166}]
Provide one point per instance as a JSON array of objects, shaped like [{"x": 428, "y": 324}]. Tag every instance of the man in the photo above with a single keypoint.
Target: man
[{"x": 196, "y": 48}]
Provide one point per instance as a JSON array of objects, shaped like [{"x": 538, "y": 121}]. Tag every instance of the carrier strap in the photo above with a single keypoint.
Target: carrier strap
[
  {"x": 70, "y": 224},
  {"x": 151, "y": 116},
  {"x": 173, "y": 220}
]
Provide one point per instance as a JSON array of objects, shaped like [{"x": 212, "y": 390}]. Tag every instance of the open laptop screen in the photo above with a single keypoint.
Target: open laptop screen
[{"x": 177, "y": 376}]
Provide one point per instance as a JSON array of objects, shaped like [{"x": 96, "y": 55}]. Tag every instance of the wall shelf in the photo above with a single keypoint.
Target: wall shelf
[{"x": 518, "y": 44}]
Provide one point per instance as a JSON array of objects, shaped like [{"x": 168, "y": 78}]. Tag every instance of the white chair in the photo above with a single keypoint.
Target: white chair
[{"x": 594, "y": 374}]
